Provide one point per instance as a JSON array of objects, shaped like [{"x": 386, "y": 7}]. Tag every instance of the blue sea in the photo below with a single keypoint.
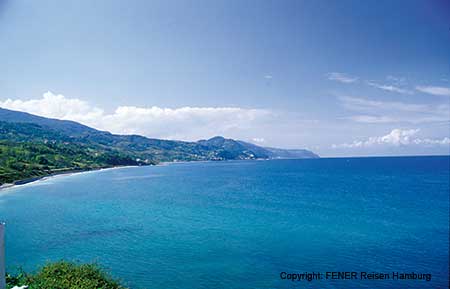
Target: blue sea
[{"x": 239, "y": 224}]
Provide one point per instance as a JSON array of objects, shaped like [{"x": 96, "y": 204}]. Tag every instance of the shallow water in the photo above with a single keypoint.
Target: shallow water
[{"x": 239, "y": 224}]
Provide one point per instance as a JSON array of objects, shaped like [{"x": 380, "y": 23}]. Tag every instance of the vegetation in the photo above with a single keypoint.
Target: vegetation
[
  {"x": 32, "y": 146},
  {"x": 28, "y": 151},
  {"x": 64, "y": 275},
  {"x": 26, "y": 160}
]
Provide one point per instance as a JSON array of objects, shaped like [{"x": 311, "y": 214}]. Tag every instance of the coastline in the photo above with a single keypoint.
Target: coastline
[
  {"x": 75, "y": 171},
  {"x": 69, "y": 172}
]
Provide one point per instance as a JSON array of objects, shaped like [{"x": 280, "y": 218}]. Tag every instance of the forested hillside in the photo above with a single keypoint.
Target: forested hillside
[{"x": 33, "y": 146}]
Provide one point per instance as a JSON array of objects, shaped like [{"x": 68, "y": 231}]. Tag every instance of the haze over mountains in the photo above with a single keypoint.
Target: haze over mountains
[{"x": 33, "y": 146}]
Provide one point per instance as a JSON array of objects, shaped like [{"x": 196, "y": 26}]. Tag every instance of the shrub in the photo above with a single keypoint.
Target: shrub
[{"x": 65, "y": 275}]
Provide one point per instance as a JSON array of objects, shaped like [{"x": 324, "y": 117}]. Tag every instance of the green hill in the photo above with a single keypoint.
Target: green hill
[{"x": 32, "y": 146}]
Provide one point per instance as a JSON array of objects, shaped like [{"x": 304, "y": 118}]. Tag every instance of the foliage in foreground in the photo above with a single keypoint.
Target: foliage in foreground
[{"x": 65, "y": 275}]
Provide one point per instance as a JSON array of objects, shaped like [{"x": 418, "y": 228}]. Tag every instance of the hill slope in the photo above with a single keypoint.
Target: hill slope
[{"x": 34, "y": 146}]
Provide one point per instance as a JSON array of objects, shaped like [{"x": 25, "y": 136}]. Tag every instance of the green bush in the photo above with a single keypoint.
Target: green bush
[{"x": 65, "y": 275}]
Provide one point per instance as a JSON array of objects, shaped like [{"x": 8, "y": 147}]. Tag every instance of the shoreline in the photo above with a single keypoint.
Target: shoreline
[
  {"x": 70, "y": 172},
  {"x": 26, "y": 181}
]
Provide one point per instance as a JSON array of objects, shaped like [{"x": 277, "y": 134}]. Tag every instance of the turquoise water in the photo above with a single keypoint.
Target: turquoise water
[{"x": 240, "y": 224}]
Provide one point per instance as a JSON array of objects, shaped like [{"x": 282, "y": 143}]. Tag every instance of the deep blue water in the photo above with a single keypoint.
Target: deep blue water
[{"x": 239, "y": 224}]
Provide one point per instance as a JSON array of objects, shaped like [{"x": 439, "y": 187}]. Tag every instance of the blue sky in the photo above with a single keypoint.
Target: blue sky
[{"x": 339, "y": 77}]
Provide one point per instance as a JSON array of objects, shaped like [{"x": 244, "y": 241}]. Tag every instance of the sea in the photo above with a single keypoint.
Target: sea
[{"x": 242, "y": 224}]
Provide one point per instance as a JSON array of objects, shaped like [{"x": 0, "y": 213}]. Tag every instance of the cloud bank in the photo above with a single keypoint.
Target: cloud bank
[
  {"x": 341, "y": 77},
  {"x": 375, "y": 111},
  {"x": 434, "y": 90},
  {"x": 260, "y": 126},
  {"x": 397, "y": 137},
  {"x": 185, "y": 123},
  {"x": 395, "y": 84},
  {"x": 389, "y": 87}
]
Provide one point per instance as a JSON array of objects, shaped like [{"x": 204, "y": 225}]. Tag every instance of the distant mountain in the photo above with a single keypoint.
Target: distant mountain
[
  {"x": 230, "y": 147},
  {"x": 276, "y": 153},
  {"x": 33, "y": 146}
]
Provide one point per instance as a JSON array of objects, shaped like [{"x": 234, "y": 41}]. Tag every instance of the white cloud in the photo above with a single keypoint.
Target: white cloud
[
  {"x": 56, "y": 106},
  {"x": 341, "y": 77},
  {"x": 434, "y": 90},
  {"x": 371, "y": 119},
  {"x": 396, "y": 80},
  {"x": 390, "y": 88},
  {"x": 364, "y": 104},
  {"x": 375, "y": 119},
  {"x": 261, "y": 126},
  {"x": 258, "y": 139},
  {"x": 375, "y": 111},
  {"x": 186, "y": 123},
  {"x": 397, "y": 137},
  {"x": 268, "y": 76},
  {"x": 427, "y": 141}
]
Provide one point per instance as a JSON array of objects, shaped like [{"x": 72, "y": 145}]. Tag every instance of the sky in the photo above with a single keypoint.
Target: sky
[{"x": 342, "y": 78}]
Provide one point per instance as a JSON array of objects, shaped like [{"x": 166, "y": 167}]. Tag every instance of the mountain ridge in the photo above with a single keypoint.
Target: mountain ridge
[
  {"x": 32, "y": 145},
  {"x": 83, "y": 132}
]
